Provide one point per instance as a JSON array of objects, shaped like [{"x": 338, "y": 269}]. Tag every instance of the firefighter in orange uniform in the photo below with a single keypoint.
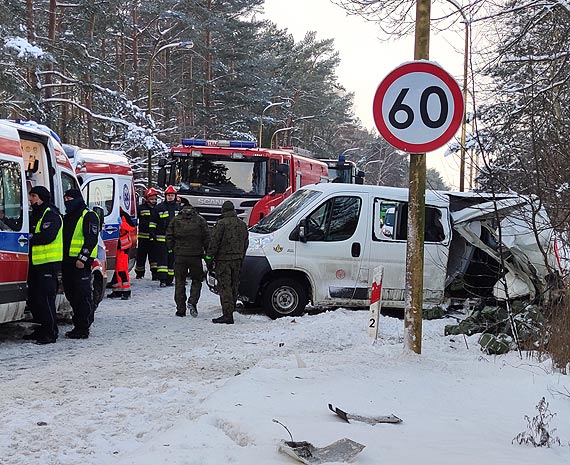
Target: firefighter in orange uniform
[{"x": 121, "y": 281}]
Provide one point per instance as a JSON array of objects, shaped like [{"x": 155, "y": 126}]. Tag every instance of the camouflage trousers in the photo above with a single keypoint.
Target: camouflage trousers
[
  {"x": 227, "y": 274},
  {"x": 184, "y": 267}
]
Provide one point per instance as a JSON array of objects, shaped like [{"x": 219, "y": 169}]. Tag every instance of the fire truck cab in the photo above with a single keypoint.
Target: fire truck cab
[{"x": 256, "y": 180}]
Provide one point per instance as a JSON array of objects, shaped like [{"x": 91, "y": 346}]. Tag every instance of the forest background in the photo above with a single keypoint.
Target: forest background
[{"x": 121, "y": 74}]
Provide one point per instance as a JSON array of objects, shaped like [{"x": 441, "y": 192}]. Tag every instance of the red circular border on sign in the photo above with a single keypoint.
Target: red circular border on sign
[{"x": 418, "y": 67}]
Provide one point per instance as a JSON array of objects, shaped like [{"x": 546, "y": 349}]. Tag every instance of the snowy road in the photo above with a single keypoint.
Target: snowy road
[{"x": 151, "y": 388}]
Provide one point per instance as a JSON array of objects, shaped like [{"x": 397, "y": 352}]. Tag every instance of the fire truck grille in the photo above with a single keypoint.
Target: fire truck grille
[{"x": 212, "y": 213}]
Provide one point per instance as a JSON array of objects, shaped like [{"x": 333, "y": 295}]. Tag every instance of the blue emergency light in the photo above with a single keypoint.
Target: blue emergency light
[{"x": 238, "y": 144}]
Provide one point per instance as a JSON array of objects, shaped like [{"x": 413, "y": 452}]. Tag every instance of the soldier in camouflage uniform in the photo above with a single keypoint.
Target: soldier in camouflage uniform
[
  {"x": 227, "y": 248},
  {"x": 188, "y": 237}
]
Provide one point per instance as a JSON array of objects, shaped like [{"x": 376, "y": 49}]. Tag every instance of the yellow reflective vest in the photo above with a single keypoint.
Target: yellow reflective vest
[
  {"x": 48, "y": 253},
  {"x": 78, "y": 239}
]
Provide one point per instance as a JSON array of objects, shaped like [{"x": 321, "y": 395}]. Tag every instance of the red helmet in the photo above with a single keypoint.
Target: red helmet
[
  {"x": 170, "y": 190},
  {"x": 150, "y": 192}
]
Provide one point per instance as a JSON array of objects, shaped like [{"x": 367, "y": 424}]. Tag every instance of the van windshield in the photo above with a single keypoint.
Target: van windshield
[{"x": 285, "y": 211}]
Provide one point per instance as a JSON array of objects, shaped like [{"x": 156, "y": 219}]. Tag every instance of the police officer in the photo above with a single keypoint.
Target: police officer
[
  {"x": 225, "y": 253},
  {"x": 188, "y": 237},
  {"x": 80, "y": 233},
  {"x": 46, "y": 252},
  {"x": 162, "y": 216},
  {"x": 146, "y": 233}
]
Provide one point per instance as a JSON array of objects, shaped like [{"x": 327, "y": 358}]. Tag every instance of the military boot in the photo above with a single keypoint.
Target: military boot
[{"x": 192, "y": 309}]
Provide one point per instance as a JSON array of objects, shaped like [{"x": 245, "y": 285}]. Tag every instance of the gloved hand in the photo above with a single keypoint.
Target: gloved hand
[{"x": 210, "y": 264}]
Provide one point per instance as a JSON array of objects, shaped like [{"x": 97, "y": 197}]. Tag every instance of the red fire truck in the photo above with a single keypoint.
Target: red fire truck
[{"x": 209, "y": 172}]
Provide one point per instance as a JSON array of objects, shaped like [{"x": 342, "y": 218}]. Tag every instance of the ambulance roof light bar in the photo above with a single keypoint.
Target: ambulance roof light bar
[{"x": 238, "y": 144}]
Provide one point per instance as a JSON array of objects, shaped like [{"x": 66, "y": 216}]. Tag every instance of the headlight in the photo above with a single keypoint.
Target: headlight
[{"x": 257, "y": 243}]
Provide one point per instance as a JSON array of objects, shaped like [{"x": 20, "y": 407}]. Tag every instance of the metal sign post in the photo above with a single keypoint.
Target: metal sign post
[{"x": 417, "y": 108}]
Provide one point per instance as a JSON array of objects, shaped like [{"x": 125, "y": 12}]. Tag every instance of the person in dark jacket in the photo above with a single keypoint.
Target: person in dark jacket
[
  {"x": 146, "y": 235},
  {"x": 80, "y": 234},
  {"x": 226, "y": 251},
  {"x": 162, "y": 216},
  {"x": 188, "y": 237},
  {"x": 121, "y": 281},
  {"x": 45, "y": 254}
]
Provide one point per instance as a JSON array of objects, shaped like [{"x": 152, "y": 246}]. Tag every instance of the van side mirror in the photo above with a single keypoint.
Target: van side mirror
[
  {"x": 161, "y": 180},
  {"x": 100, "y": 214},
  {"x": 359, "y": 177},
  {"x": 303, "y": 230}
]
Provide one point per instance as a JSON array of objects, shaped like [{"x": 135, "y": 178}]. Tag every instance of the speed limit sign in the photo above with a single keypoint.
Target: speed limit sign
[{"x": 418, "y": 107}]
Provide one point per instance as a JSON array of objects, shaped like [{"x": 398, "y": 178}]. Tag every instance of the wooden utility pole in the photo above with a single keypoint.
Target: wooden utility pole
[{"x": 416, "y": 208}]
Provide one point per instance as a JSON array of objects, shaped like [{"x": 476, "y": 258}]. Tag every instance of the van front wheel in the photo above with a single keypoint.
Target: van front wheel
[{"x": 284, "y": 297}]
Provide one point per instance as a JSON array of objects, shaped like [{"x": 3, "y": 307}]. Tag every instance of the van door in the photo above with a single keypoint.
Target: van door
[
  {"x": 100, "y": 192},
  {"x": 14, "y": 236},
  {"x": 333, "y": 254},
  {"x": 388, "y": 249}
]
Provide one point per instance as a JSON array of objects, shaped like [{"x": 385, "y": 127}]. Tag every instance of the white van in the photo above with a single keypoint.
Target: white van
[{"x": 324, "y": 242}]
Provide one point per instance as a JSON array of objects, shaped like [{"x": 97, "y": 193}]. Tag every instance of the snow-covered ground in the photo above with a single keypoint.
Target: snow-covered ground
[{"x": 151, "y": 388}]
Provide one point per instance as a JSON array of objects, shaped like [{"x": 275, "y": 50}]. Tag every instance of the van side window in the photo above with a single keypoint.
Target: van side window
[
  {"x": 68, "y": 182},
  {"x": 11, "y": 206},
  {"x": 335, "y": 220},
  {"x": 99, "y": 193},
  {"x": 391, "y": 222}
]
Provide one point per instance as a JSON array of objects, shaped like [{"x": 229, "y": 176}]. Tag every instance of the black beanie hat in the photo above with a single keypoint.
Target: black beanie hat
[
  {"x": 41, "y": 192},
  {"x": 73, "y": 193},
  {"x": 227, "y": 206}
]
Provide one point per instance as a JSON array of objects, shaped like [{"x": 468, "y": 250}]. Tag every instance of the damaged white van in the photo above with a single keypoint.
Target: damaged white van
[{"x": 323, "y": 243}]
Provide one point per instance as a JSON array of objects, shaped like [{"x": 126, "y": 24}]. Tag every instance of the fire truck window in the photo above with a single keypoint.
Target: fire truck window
[
  {"x": 100, "y": 194},
  {"x": 335, "y": 220},
  {"x": 11, "y": 206}
]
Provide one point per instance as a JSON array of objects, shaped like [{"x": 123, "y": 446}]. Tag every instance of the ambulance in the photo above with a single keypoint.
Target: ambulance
[
  {"x": 30, "y": 155},
  {"x": 106, "y": 179}
]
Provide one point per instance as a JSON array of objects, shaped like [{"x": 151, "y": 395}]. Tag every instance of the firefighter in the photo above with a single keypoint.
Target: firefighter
[
  {"x": 121, "y": 281},
  {"x": 80, "y": 235},
  {"x": 163, "y": 214},
  {"x": 226, "y": 251},
  {"x": 188, "y": 236},
  {"x": 46, "y": 253},
  {"x": 147, "y": 231}
]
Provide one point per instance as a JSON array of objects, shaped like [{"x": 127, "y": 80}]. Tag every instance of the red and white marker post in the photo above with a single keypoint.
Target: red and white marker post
[{"x": 375, "y": 302}]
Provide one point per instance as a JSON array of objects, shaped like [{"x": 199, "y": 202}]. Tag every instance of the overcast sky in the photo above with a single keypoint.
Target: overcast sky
[{"x": 365, "y": 61}]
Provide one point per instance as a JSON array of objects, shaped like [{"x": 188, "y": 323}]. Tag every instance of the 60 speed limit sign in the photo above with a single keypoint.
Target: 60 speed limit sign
[{"x": 418, "y": 107}]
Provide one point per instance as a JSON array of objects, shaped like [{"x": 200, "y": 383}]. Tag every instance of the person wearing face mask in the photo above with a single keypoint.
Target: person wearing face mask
[
  {"x": 80, "y": 234},
  {"x": 163, "y": 215},
  {"x": 45, "y": 255}
]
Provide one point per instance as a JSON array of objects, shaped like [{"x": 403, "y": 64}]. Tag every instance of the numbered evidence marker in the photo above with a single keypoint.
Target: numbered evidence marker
[
  {"x": 418, "y": 107},
  {"x": 375, "y": 302}
]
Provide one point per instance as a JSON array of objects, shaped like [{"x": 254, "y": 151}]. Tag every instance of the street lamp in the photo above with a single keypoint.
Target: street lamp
[
  {"x": 291, "y": 128},
  {"x": 187, "y": 45},
  {"x": 351, "y": 150},
  {"x": 286, "y": 104},
  {"x": 379, "y": 171}
]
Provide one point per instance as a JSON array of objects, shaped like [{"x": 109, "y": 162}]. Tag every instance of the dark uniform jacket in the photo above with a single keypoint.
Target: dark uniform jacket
[
  {"x": 163, "y": 215},
  {"x": 229, "y": 238},
  {"x": 49, "y": 228},
  {"x": 188, "y": 234},
  {"x": 144, "y": 213},
  {"x": 90, "y": 231}
]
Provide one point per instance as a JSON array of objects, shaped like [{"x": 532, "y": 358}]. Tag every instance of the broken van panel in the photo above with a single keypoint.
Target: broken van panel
[{"x": 323, "y": 243}]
